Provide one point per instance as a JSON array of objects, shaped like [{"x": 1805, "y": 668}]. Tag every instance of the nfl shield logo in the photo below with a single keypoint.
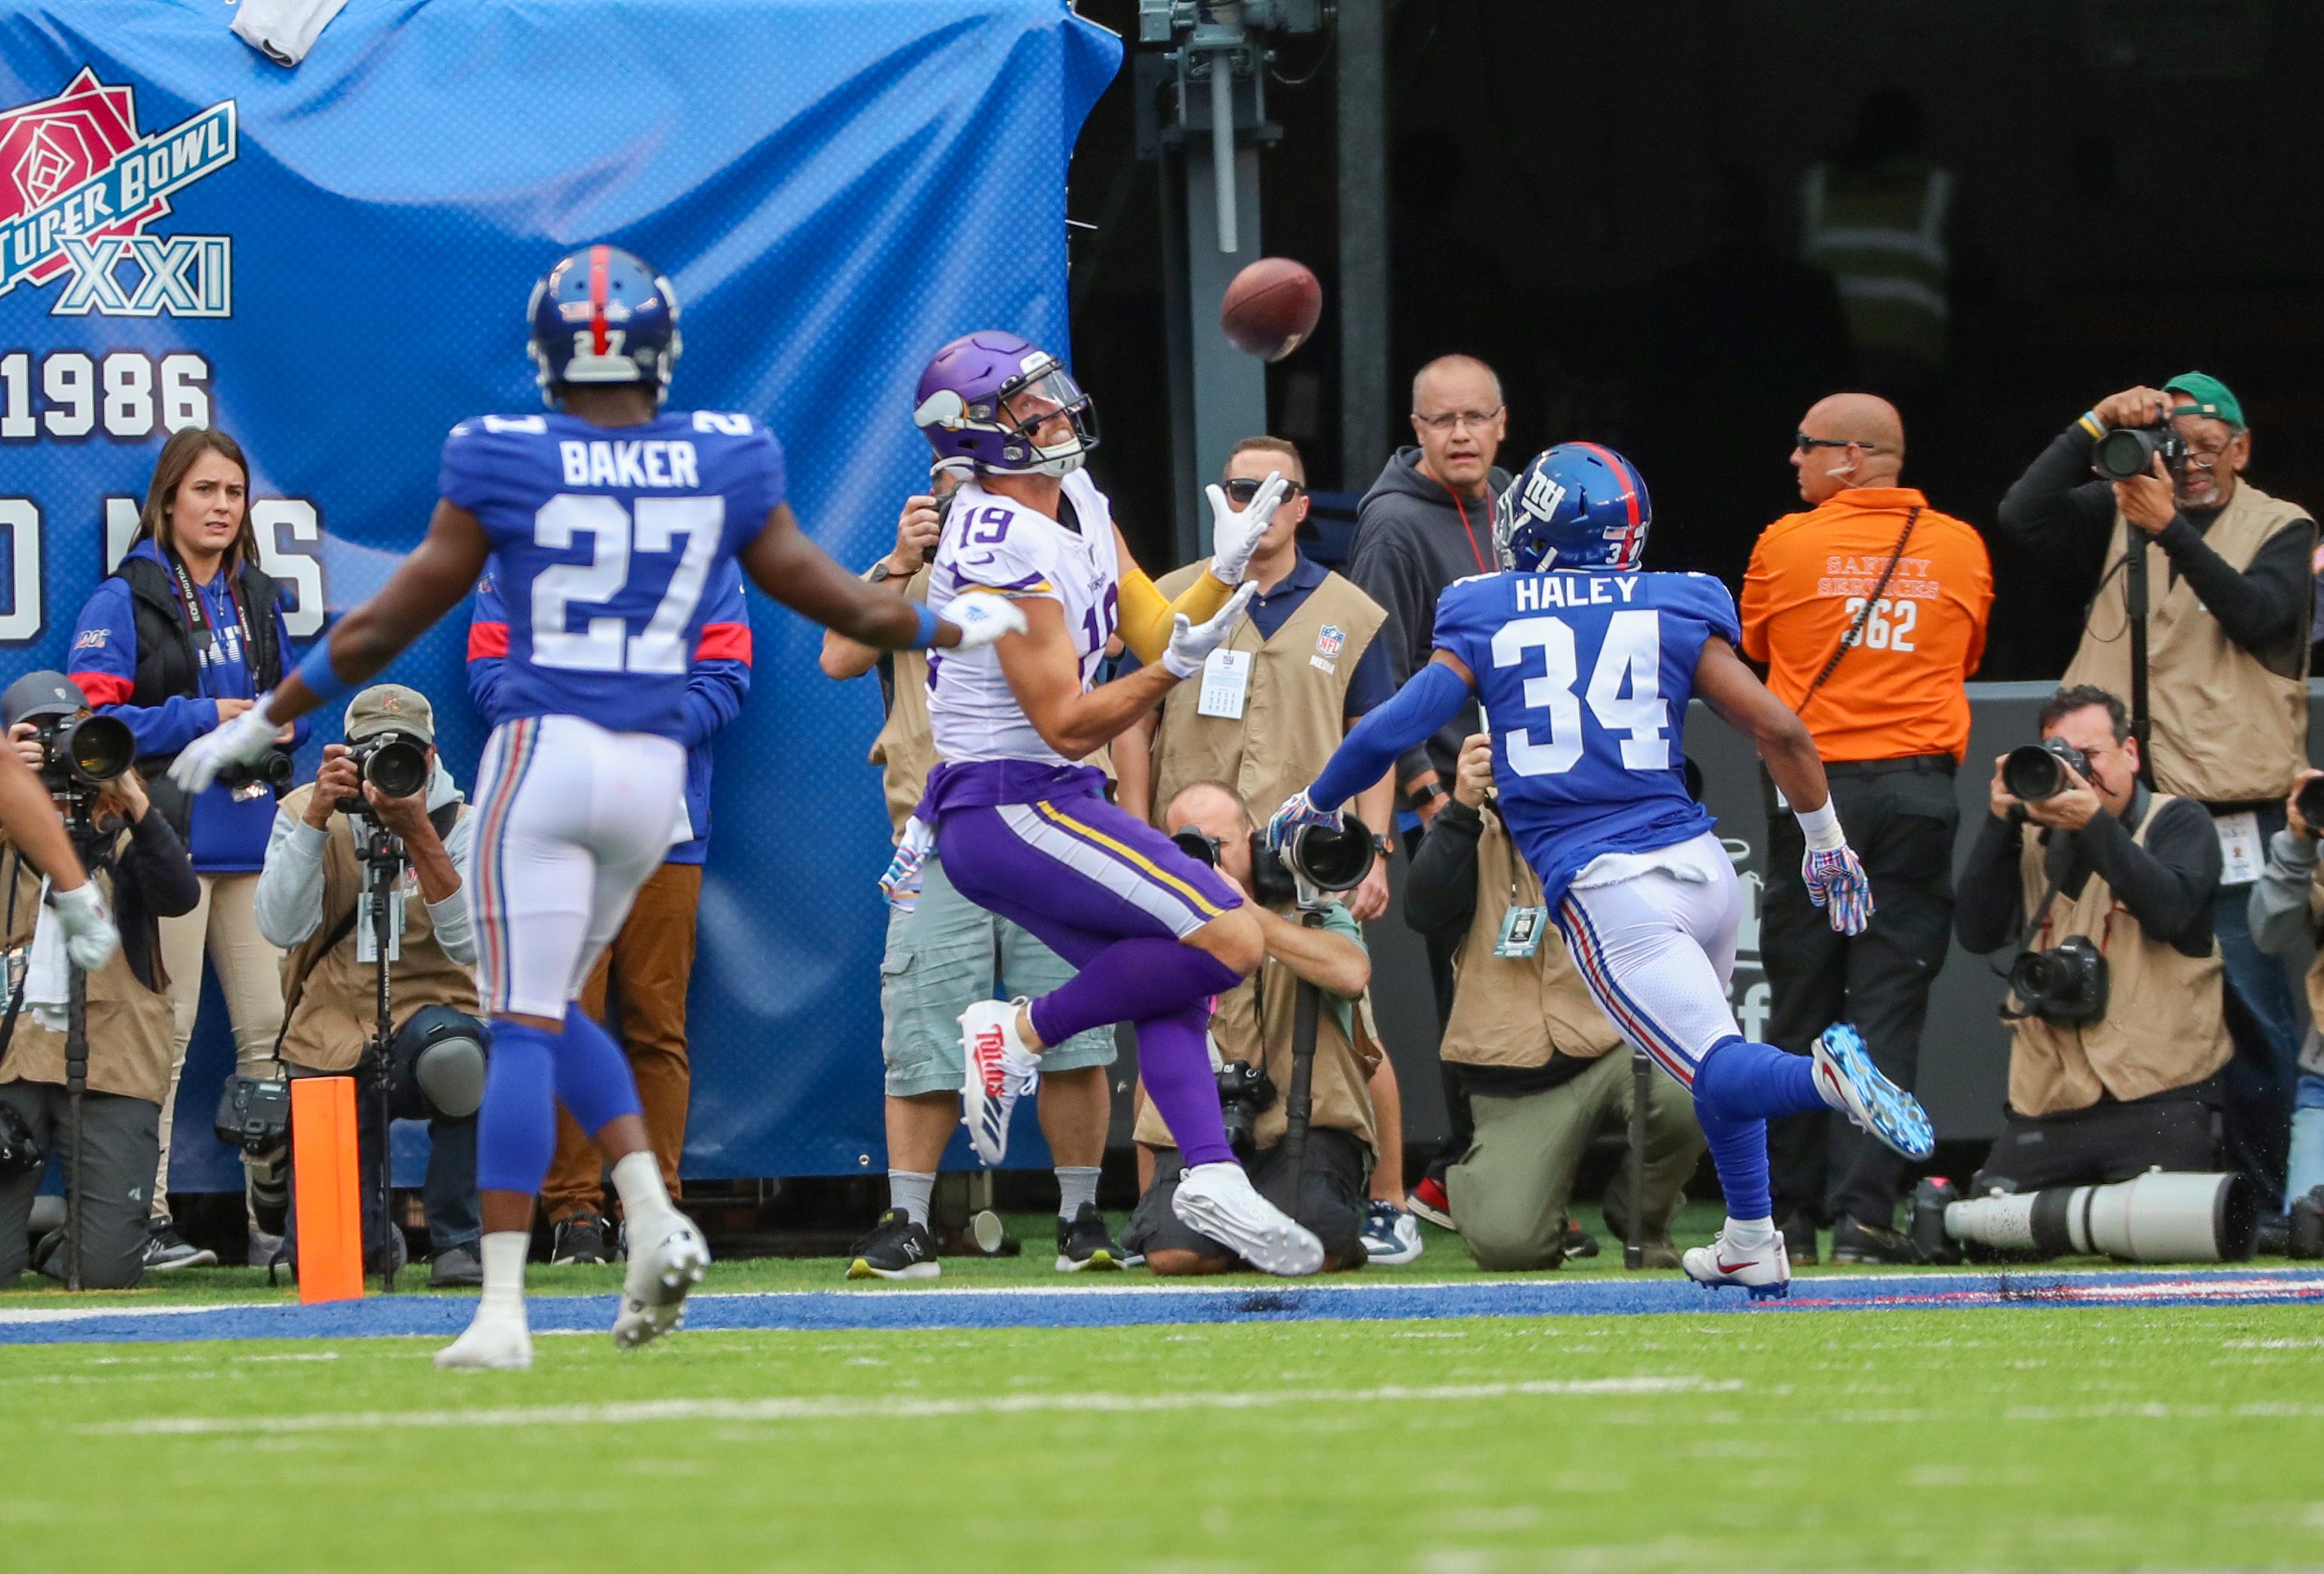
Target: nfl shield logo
[{"x": 1329, "y": 638}]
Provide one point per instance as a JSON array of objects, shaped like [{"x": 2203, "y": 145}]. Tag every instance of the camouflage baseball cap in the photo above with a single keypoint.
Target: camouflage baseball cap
[{"x": 390, "y": 707}]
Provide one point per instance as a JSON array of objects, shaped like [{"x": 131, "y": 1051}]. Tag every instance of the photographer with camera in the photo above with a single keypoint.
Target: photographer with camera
[
  {"x": 1531, "y": 1047},
  {"x": 2287, "y": 915},
  {"x": 188, "y": 633},
  {"x": 2104, "y": 889},
  {"x": 383, "y": 792},
  {"x": 2215, "y": 673},
  {"x": 135, "y": 860},
  {"x": 1253, "y": 1030}
]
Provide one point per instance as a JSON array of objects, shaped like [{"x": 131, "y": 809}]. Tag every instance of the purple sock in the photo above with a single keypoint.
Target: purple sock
[
  {"x": 1174, "y": 1060},
  {"x": 1742, "y": 1080},
  {"x": 1132, "y": 981}
]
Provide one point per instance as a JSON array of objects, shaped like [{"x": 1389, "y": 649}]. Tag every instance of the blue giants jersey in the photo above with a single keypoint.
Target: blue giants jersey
[
  {"x": 606, "y": 540},
  {"x": 1585, "y": 678}
]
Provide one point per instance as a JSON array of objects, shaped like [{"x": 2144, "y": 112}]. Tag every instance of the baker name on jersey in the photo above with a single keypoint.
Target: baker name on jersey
[
  {"x": 1555, "y": 590},
  {"x": 619, "y": 462}
]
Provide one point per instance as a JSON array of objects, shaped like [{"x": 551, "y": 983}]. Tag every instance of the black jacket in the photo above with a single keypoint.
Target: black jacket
[
  {"x": 2167, "y": 885},
  {"x": 1412, "y": 540},
  {"x": 166, "y": 667}
]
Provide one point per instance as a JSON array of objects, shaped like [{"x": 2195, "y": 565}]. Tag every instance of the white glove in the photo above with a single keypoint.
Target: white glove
[
  {"x": 90, "y": 937},
  {"x": 982, "y": 617},
  {"x": 1190, "y": 644},
  {"x": 1234, "y": 537},
  {"x": 236, "y": 742}
]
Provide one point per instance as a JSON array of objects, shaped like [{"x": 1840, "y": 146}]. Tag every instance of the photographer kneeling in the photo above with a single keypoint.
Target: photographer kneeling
[
  {"x": 312, "y": 903},
  {"x": 1252, "y": 1030},
  {"x": 1531, "y": 1048},
  {"x": 2119, "y": 1025},
  {"x": 141, "y": 867}
]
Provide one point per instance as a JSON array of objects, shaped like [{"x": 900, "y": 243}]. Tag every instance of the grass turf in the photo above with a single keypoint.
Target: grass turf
[{"x": 2033, "y": 1439}]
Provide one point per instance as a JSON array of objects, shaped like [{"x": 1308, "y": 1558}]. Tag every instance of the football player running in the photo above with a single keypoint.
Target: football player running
[
  {"x": 1585, "y": 666},
  {"x": 1023, "y": 828},
  {"x": 604, "y": 520}
]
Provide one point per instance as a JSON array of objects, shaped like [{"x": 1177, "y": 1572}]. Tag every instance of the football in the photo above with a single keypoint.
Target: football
[{"x": 1271, "y": 307}]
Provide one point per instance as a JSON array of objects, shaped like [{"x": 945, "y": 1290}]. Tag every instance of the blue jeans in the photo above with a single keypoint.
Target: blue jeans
[
  {"x": 2306, "y": 1170},
  {"x": 2263, "y": 1021}
]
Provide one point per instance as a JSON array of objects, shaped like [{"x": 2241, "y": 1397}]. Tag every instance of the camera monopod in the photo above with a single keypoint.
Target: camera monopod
[
  {"x": 1634, "y": 1231},
  {"x": 382, "y": 860},
  {"x": 88, "y": 846},
  {"x": 2135, "y": 546},
  {"x": 1323, "y": 862}
]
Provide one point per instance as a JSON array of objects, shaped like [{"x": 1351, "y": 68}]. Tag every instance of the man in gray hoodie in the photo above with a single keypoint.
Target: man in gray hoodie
[{"x": 1427, "y": 521}]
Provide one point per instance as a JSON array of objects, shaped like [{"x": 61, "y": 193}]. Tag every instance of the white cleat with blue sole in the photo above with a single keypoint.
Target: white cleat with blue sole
[
  {"x": 1851, "y": 1084},
  {"x": 1764, "y": 1273}
]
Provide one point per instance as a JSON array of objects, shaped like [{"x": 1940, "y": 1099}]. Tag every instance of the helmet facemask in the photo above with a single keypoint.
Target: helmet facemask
[{"x": 1043, "y": 400}]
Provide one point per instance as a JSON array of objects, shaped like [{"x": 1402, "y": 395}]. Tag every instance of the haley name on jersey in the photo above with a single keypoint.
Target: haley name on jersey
[
  {"x": 605, "y": 540},
  {"x": 1585, "y": 678},
  {"x": 991, "y": 543}
]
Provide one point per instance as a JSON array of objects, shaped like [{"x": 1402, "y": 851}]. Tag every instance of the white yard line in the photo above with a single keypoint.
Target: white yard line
[{"x": 840, "y": 1407}]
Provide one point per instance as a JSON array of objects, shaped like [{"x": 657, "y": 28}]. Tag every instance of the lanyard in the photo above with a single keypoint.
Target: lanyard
[
  {"x": 198, "y": 618},
  {"x": 1474, "y": 551}
]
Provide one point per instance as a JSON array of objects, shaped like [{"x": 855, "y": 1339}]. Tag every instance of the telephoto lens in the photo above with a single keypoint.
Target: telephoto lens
[
  {"x": 2035, "y": 772},
  {"x": 2128, "y": 451},
  {"x": 93, "y": 749},
  {"x": 397, "y": 767},
  {"x": 1332, "y": 860}
]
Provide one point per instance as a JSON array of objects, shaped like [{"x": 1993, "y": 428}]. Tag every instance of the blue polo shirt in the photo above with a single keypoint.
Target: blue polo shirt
[{"x": 1369, "y": 686}]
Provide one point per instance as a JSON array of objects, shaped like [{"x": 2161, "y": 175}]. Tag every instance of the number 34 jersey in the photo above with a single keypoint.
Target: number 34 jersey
[
  {"x": 604, "y": 542},
  {"x": 991, "y": 543},
  {"x": 1585, "y": 678}
]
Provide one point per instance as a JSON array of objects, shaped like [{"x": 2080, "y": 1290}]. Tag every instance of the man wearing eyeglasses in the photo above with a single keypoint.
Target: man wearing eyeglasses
[
  {"x": 1869, "y": 610},
  {"x": 2229, "y": 591},
  {"x": 1427, "y": 521}
]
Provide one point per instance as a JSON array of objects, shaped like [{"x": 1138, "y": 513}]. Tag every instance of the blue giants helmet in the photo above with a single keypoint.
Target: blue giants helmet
[
  {"x": 603, "y": 314},
  {"x": 1579, "y": 505},
  {"x": 987, "y": 398}
]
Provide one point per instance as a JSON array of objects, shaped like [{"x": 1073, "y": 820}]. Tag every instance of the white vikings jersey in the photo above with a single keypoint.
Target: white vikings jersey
[{"x": 991, "y": 543}]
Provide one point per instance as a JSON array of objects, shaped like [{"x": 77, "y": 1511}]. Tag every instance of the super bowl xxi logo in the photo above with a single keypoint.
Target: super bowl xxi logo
[{"x": 79, "y": 184}]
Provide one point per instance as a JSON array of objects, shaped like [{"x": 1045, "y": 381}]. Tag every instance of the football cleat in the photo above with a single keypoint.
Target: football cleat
[
  {"x": 1764, "y": 1273},
  {"x": 1218, "y": 1200},
  {"x": 1000, "y": 1070},
  {"x": 497, "y": 1339},
  {"x": 1851, "y": 1084},
  {"x": 667, "y": 1258}
]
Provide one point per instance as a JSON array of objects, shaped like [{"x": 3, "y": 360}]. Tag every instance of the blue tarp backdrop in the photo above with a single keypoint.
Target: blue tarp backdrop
[{"x": 332, "y": 262}]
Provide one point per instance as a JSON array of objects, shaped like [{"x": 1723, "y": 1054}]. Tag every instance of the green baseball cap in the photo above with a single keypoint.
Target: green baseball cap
[
  {"x": 2207, "y": 396},
  {"x": 390, "y": 707}
]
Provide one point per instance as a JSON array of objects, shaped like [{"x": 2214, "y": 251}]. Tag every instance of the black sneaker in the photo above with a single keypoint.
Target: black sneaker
[
  {"x": 166, "y": 1250},
  {"x": 456, "y": 1267},
  {"x": 1087, "y": 1243},
  {"x": 581, "y": 1238},
  {"x": 1856, "y": 1242},
  {"x": 1800, "y": 1240},
  {"x": 897, "y": 1249},
  {"x": 1577, "y": 1242}
]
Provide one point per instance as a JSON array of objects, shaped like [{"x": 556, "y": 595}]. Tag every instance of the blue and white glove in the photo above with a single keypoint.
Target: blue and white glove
[
  {"x": 1296, "y": 811},
  {"x": 231, "y": 743},
  {"x": 905, "y": 873},
  {"x": 1234, "y": 534},
  {"x": 982, "y": 617},
  {"x": 1191, "y": 643},
  {"x": 1837, "y": 882}
]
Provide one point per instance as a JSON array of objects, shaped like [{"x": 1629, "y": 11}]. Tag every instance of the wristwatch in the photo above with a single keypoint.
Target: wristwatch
[{"x": 1380, "y": 843}]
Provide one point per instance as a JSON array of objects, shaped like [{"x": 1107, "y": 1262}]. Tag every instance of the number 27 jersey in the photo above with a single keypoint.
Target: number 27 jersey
[
  {"x": 1585, "y": 678},
  {"x": 605, "y": 540}
]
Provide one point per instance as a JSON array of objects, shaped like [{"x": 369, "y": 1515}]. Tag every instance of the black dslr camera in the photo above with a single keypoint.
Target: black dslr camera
[
  {"x": 1271, "y": 885},
  {"x": 2064, "y": 984},
  {"x": 274, "y": 771},
  {"x": 396, "y": 763},
  {"x": 2035, "y": 772},
  {"x": 80, "y": 754},
  {"x": 253, "y": 1115},
  {"x": 1245, "y": 1093},
  {"x": 2128, "y": 451},
  {"x": 1324, "y": 859}
]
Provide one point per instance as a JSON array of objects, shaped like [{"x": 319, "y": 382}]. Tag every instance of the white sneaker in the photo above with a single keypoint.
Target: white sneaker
[
  {"x": 1219, "y": 1201},
  {"x": 1764, "y": 1273},
  {"x": 498, "y": 1339},
  {"x": 667, "y": 1258},
  {"x": 1000, "y": 1070}
]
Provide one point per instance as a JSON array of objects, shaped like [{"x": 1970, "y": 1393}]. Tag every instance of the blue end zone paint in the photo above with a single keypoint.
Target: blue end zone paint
[{"x": 430, "y": 1315}]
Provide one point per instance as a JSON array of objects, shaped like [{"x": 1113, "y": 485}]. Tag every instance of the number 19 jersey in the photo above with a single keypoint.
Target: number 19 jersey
[
  {"x": 605, "y": 540},
  {"x": 1585, "y": 678}
]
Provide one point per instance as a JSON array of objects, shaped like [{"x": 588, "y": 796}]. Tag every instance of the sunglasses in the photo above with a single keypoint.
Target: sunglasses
[
  {"x": 1802, "y": 443},
  {"x": 1242, "y": 488}
]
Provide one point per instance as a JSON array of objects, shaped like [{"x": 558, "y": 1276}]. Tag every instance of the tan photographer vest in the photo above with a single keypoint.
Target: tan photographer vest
[
  {"x": 1253, "y": 1026},
  {"x": 1517, "y": 1012},
  {"x": 2226, "y": 729},
  {"x": 1293, "y": 712},
  {"x": 2165, "y": 1024},
  {"x": 332, "y": 1017},
  {"x": 130, "y": 1028},
  {"x": 905, "y": 748}
]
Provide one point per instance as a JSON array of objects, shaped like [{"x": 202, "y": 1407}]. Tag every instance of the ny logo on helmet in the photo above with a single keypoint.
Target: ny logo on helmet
[{"x": 1543, "y": 493}]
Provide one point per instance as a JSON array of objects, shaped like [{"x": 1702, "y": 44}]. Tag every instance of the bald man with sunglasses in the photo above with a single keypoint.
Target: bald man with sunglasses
[{"x": 1869, "y": 611}]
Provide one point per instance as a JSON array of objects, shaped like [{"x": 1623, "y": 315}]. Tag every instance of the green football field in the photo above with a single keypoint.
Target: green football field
[{"x": 2032, "y": 1437}]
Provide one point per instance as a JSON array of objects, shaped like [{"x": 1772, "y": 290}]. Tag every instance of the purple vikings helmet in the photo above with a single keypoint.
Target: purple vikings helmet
[
  {"x": 1579, "y": 505},
  {"x": 987, "y": 397},
  {"x": 602, "y": 314}
]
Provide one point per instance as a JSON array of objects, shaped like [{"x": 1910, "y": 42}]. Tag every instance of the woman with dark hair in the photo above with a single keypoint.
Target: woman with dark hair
[{"x": 186, "y": 633}]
